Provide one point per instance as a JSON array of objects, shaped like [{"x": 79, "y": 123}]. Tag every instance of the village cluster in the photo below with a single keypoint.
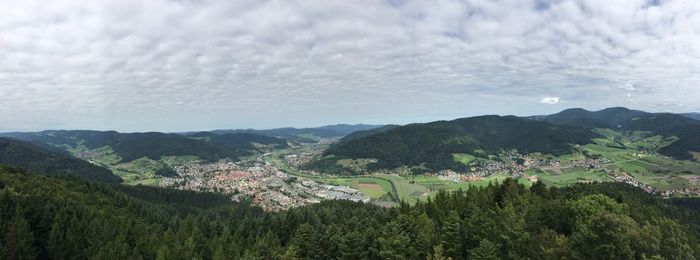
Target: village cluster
[
  {"x": 515, "y": 165},
  {"x": 518, "y": 164},
  {"x": 264, "y": 184}
]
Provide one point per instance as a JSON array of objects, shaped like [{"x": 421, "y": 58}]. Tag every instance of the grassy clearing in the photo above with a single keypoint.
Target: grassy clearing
[
  {"x": 356, "y": 165},
  {"x": 696, "y": 156},
  {"x": 571, "y": 157},
  {"x": 371, "y": 190},
  {"x": 433, "y": 183},
  {"x": 661, "y": 181},
  {"x": 405, "y": 190},
  {"x": 139, "y": 171},
  {"x": 463, "y": 158},
  {"x": 174, "y": 160},
  {"x": 573, "y": 177}
]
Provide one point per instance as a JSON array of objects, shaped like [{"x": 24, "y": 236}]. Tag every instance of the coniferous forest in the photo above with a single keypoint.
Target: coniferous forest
[{"x": 67, "y": 218}]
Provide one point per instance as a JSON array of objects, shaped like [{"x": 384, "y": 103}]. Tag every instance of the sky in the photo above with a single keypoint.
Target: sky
[{"x": 161, "y": 65}]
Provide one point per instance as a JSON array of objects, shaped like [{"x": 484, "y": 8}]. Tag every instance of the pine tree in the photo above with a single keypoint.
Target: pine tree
[
  {"x": 136, "y": 254},
  {"x": 486, "y": 250},
  {"x": 352, "y": 246},
  {"x": 19, "y": 239},
  {"x": 305, "y": 242},
  {"x": 219, "y": 253},
  {"x": 56, "y": 244},
  {"x": 425, "y": 235},
  {"x": 164, "y": 253},
  {"x": 438, "y": 254},
  {"x": 290, "y": 253},
  {"x": 395, "y": 244},
  {"x": 451, "y": 235}
]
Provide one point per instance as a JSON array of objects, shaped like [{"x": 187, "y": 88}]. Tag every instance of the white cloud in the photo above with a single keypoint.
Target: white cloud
[
  {"x": 170, "y": 65},
  {"x": 549, "y": 100}
]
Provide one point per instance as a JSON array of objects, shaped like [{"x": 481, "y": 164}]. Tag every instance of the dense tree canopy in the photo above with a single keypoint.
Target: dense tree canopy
[{"x": 61, "y": 218}]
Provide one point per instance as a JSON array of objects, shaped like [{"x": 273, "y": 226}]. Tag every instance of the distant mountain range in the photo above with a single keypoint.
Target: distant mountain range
[
  {"x": 303, "y": 135},
  {"x": 153, "y": 145},
  {"x": 56, "y": 147},
  {"x": 623, "y": 119},
  {"x": 695, "y": 116},
  {"x": 434, "y": 144},
  {"x": 50, "y": 162}
]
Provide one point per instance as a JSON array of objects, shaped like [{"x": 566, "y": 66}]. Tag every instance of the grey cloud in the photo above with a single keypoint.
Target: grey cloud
[{"x": 178, "y": 65}]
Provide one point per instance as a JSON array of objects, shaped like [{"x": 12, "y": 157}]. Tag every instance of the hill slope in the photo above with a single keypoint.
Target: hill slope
[
  {"x": 695, "y": 116},
  {"x": 623, "y": 119},
  {"x": 153, "y": 145},
  {"x": 365, "y": 133},
  {"x": 240, "y": 142},
  {"x": 434, "y": 143},
  {"x": 36, "y": 159}
]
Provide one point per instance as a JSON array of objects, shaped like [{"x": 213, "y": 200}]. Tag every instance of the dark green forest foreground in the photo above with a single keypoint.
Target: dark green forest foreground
[{"x": 63, "y": 217}]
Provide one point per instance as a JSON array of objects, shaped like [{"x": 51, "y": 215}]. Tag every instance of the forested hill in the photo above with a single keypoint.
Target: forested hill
[
  {"x": 240, "y": 141},
  {"x": 45, "y": 217},
  {"x": 365, "y": 133},
  {"x": 131, "y": 146},
  {"x": 37, "y": 159},
  {"x": 623, "y": 119},
  {"x": 434, "y": 143}
]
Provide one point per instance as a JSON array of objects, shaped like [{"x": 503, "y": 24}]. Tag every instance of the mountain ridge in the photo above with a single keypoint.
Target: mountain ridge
[
  {"x": 619, "y": 118},
  {"x": 434, "y": 143},
  {"x": 33, "y": 158}
]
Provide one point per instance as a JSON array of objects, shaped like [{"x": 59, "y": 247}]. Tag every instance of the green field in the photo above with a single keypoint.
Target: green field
[
  {"x": 406, "y": 191},
  {"x": 137, "y": 172},
  {"x": 372, "y": 187},
  {"x": 572, "y": 177},
  {"x": 624, "y": 150},
  {"x": 629, "y": 153},
  {"x": 463, "y": 158}
]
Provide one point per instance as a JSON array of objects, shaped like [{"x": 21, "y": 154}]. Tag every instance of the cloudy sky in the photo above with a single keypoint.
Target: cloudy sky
[{"x": 135, "y": 65}]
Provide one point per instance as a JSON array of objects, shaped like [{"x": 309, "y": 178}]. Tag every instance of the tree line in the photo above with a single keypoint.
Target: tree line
[{"x": 67, "y": 218}]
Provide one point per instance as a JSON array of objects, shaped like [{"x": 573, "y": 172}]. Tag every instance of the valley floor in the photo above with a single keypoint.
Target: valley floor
[{"x": 276, "y": 181}]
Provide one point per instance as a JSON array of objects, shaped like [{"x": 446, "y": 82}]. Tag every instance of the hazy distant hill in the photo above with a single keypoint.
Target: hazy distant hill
[
  {"x": 623, "y": 119},
  {"x": 695, "y": 116},
  {"x": 240, "y": 141},
  {"x": 364, "y": 133},
  {"x": 305, "y": 134},
  {"x": 37, "y": 159},
  {"x": 434, "y": 143},
  {"x": 153, "y": 145},
  {"x": 606, "y": 118}
]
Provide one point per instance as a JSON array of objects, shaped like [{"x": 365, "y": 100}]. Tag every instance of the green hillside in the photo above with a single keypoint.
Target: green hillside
[
  {"x": 37, "y": 159},
  {"x": 365, "y": 133},
  {"x": 54, "y": 218},
  {"x": 622, "y": 119},
  {"x": 240, "y": 142},
  {"x": 154, "y": 145},
  {"x": 141, "y": 158},
  {"x": 434, "y": 144},
  {"x": 695, "y": 116}
]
